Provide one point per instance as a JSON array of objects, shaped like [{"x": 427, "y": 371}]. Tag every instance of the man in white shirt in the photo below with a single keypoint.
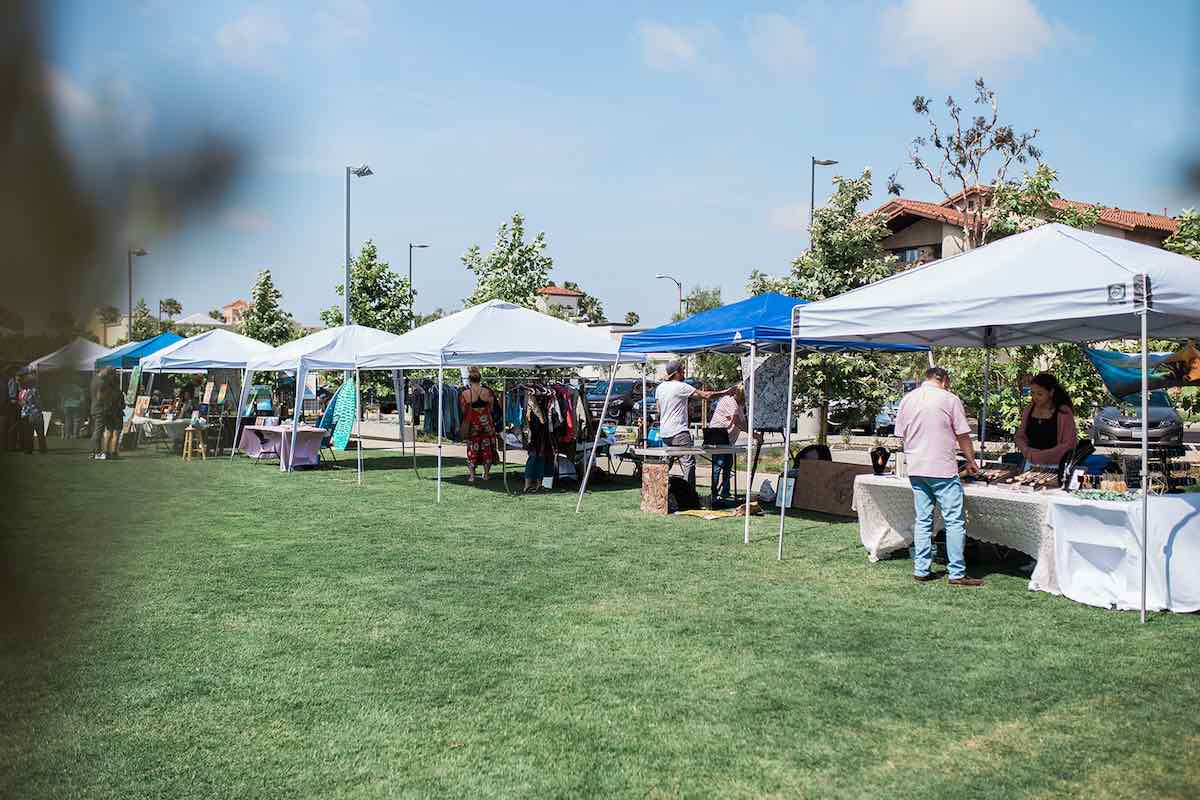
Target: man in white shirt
[
  {"x": 933, "y": 424},
  {"x": 672, "y": 396}
]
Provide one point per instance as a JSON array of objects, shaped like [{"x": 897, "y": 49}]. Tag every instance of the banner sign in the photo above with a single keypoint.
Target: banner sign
[{"x": 1122, "y": 372}]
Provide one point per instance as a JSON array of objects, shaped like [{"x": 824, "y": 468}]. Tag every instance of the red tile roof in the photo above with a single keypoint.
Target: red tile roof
[
  {"x": 559, "y": 291},
  {"x": 945, "y": 212}
]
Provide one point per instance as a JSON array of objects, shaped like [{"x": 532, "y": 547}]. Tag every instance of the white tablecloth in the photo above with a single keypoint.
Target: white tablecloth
[
  {"x": 1098, "y": 549},
  {"x": 1001, "y": 516},
  {"x": 1087, "y": 550}
]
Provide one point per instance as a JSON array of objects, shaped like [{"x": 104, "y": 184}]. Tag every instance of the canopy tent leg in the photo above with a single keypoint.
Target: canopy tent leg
[
  {"x": 612, "y": 376},
  {"x": 414, "y": 439},
  {"x": 301, "y": 374},
  {"x": 987, "y": 375},
  {"x": 645, "y": 410},
  {"x": 503, "y": 438},
  {"x": 398, "y": 388},
  {"x": 749, "y": 444},
  {"x": 1145, "y": 452},
  {"x": 358, "y": 421},
  {"x": 237, "y": 424},
  {"x": 787, "y": 449},
  {"x": 439, "y": 435}
]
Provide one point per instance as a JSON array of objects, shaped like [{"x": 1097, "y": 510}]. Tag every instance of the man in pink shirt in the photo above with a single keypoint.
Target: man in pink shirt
[{"x": 932, "y": 424}]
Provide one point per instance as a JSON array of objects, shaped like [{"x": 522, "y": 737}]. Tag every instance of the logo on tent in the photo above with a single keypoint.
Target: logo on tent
[{"x": 1116, "y": 293}]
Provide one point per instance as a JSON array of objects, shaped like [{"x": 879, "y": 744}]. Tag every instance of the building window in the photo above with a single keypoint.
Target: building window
[{"x": 910, "y": 256}]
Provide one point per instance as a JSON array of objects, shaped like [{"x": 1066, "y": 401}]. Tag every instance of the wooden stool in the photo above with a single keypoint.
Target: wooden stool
[{"x": 193, "y": 444}]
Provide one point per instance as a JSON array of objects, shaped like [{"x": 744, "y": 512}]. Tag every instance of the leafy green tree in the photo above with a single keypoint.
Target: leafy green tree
[
  {"x": 108, "y": 315},
  {"x": 143, "y": 324},
  {"x": 1019, "y": 206},
  {"x": 632, "y": 318},
  {"x": 1186, "y": 240},
  {"x": 714, "y": 369},
  {"x": 845, "y": 253},
  {"x": 264, "y": 320},
  {"x": 560, "y": 312},
  {"x": 424, "y": 319},
  {"x": 170, "y": 307},
  {"x": 379, "y": 297},
  {"x": 513, "y": 270},
  {"x": 216, "y": 314}
]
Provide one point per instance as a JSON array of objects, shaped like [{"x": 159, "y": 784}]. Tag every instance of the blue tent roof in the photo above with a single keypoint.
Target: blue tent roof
[
  {"x": 764, "y": 319},
  {"x": 127, "y": 357}
]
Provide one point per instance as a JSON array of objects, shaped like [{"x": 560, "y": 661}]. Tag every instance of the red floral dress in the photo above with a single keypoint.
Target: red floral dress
[{"x": 479, "y": 428}]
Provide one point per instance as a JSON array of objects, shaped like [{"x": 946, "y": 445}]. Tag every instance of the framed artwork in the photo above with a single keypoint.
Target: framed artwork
[
  {"x": 221, "y": 394},
  {"x": 208, "y": 392},
  {"x": 142, "y": 405}
]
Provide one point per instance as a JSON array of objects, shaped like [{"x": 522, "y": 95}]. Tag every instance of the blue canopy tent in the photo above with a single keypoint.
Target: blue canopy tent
[
  {"x": 130, "y": 355},
  {"x": 762, "y": 322}
]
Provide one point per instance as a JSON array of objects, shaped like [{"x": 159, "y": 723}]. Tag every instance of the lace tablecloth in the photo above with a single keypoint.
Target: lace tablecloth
[{"x": 1001, "y": 516}]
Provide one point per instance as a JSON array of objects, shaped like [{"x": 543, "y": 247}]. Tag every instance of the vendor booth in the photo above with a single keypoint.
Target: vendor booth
[
  {"x": 78, "y": 356},
  {"x": 330, "y": 349},
  {"x": 130, "y": 355},
  {"x": 1050, "y": 284},
  {"x": 499, "y": 335},
  {"x": 220, "y": 353},
  {"x": 756, "y": 325}
]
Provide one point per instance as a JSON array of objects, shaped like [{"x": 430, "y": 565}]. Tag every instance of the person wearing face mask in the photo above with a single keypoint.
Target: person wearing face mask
[{"x": 1047, "y": 431}]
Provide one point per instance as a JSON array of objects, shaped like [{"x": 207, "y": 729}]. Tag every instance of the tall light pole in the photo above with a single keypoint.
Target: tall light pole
[
  {"x": 361, "y": 172},
  {"x": 679, "y": 285},
  {"x": 412, "y": 247},
  {"x": 130, "y": 253},
  {"x": 812, "y": 190}
]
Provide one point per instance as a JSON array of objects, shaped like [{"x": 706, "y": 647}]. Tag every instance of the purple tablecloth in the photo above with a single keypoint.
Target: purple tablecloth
[{"x": 265, "y": 441}]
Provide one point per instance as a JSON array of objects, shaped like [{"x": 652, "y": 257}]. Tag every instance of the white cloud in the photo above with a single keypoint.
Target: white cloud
[
  {"x": 778, "y": 41},
  {"x": 951, "y": 36},
  {"x": 788, "y": 219},
  {"x": 669, "y": 47},
  {"x": 343, "y": 21},
  {"x": 251, "y": 40},
  {"x": 246, "y": 220}
]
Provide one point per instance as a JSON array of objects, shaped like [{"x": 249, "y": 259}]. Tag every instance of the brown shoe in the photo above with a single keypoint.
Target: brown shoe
[
  {"x": 966, "y": 581},
  {"x": 933, "y": 576}
]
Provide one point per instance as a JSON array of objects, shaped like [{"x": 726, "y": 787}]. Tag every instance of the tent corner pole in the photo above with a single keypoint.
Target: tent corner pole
[
  {"x": 439, "y": 435},
  {"x": 358, "y": 421},
  {"x": 298, "y": 396},
  {"x": 987, "y": 376},
  {"x": 1145, "y": 449},
  {"x": 612, "y": 376},
  {"x": 237, "y": 423},
  {"x": 749, "y": 445},
  {"x": 787, "y": 451}
]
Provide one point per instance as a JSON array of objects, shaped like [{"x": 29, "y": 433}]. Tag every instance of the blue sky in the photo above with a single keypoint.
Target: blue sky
[{"x": 641, "y": 138}]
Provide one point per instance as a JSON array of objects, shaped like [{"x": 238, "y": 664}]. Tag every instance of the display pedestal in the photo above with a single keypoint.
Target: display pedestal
[
  {"x": 656, "y": 481},
  {"x": 826, "y": 486}
]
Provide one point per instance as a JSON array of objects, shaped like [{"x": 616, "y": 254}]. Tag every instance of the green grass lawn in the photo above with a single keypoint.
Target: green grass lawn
[{"x": 222, "y": 630}]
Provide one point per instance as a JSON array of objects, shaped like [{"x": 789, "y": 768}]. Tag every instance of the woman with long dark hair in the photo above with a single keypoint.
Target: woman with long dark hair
[{"x": 1047, "y": 430}]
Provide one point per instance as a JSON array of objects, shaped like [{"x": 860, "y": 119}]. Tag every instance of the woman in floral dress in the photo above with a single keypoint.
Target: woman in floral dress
[{"x": 478, "y": 427}]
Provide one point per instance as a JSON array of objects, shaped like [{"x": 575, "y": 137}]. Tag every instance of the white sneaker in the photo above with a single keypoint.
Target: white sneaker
[{"x": 101, "y": 456}]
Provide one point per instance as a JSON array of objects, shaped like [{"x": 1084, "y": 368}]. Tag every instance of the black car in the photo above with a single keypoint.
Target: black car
[
  {"x": 625, "y": 395},
  {"x": 1120, "y": 422}
]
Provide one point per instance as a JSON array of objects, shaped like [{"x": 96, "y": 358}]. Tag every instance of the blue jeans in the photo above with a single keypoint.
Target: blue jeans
[
  {"x": 947, "y": 495},
  {"x": 722, "y": 467}
]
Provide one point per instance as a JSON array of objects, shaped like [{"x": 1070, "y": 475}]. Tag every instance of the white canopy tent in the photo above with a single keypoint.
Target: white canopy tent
[
  {"x": 78, "y": 356},
  {"x": 215, "y": 349},
  {"x": 496, "y": 334},
  {"x": 1050, "y": 284},
  {"x": 332, "y": 348}
]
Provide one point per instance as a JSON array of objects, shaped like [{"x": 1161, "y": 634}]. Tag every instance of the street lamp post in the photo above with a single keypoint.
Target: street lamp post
[
  {"x": 360, "y": 172},
  {"x": 130, "y": 253},
  {"x": 412, "y": 247},
  {"x": 679, "y": 285},
  {"x": 812, "y": 192}
]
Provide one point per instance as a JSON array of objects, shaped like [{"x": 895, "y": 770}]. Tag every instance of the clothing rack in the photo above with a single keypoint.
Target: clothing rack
[{"x": 542, "y": 379}]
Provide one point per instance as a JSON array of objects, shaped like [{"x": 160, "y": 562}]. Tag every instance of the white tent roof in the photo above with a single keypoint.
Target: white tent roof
[
  {"x": 79, "y": 355},
  {"x": 1053, "y": 283},
  {"x": 200, "y": 319},
  {"x": 496, "y": 334},
  {"x": 332, "y": 348},
  {"x": 215, "y": 349}
]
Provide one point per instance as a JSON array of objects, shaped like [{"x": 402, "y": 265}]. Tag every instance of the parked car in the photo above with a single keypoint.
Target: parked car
[
  {"x": 694, "y": 406},
  {"x": 625, "y": 395},
  {"x": 1120, "y": 423}
]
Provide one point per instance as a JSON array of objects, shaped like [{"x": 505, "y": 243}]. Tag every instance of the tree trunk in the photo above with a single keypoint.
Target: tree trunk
[{"x": 823, "y": 422}]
